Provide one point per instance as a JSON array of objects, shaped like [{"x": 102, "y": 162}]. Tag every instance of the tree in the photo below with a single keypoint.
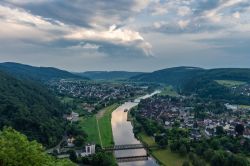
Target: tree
[
  {"x": 163, "y": 142},
  {"x": 183, "y": 150},
  {"x": 208, "y": 154},
  {"x": 102, "y": 159},
  {"x": 72, "y": 156},
  {"x": 79, "y": 141},
  {"x": 220, "y": 131},
  {"x": 17, "y": 150},
  {"x": 185, "y": 163},
  {"x": 239, "y": 128}
]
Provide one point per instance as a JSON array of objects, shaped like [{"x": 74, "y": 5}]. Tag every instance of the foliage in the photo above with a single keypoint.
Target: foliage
[
  {"x": 239, "y": 128},
  {"x": 16, "y": 150},
  {"x": 108, "y": 75},
  {"x": 105, "y": 127},
  {"x": 36, "y": 73},
  {"x": 103, "y": 159},
  {"x": 31, "y": 109}
]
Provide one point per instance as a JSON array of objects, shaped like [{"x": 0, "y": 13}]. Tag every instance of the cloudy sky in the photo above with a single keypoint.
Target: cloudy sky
[{"x": 134, "y": 35}]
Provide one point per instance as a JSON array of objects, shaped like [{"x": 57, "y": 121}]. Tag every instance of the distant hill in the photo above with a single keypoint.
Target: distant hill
[
  {"x": 108, "y": 75},
  {"x": 36, "y": 73},
  {"x": 203, "y": 82},
  {"x": 31, "y": 109},
  {"x": 173, "y": 76},
  {"x": 181, "y": 75}
]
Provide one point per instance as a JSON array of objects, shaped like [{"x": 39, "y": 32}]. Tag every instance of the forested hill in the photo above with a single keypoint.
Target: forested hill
[
  {"x": 108, "y": 75},
  {"x": 173, "y": 76},
  {"x": 36, "y": 73},
  {"x": 206, "y": 83},
  {"x": 30, "y": 109},
  {"x": 182, "y": 75}
]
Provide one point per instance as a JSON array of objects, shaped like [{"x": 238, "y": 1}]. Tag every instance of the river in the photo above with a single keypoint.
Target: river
[{"x": 123, "y": 134}]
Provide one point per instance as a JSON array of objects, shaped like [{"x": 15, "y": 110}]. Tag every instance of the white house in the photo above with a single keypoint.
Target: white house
[{"x": 89, "y": 150}]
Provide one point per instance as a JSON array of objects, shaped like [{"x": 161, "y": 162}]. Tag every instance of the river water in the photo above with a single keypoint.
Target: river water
[{"x": 123, "y": 134}]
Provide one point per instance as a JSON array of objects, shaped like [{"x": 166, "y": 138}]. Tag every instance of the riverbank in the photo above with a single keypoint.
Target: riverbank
[
  {"x": 163, "y": 156},
  {"x": 98, "y": 127}
]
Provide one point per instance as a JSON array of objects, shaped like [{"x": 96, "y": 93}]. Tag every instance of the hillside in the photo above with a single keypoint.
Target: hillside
[
  {"x": 206, "y": 83},
  {"x": 36, "y": 73},
  {"x": 173, "y": 76},
  {"x": 108, "y": 75},
  {"x": 30, "y": 109}
]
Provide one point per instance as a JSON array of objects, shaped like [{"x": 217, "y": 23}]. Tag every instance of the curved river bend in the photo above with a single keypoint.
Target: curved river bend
[{"x": 123, "y": 134}]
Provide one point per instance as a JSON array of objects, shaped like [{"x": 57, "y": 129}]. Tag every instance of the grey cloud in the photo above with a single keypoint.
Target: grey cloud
[
  {"x": 231, "y": 45},
  {"x": 83, "y": 12},
  {"x": 192, "y": 27}
]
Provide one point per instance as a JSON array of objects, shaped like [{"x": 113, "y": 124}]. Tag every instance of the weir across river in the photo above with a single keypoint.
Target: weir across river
[{"x": 127, "y": 147}]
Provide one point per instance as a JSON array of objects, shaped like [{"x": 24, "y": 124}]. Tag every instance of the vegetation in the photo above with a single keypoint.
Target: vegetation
[
  {"x": 190, "y": 80},
  {"x": 108, "y": 75},
  {"x": 31, "y": 109},
  {"x": 220, "y": 150},
  {"x": 36, "y": 73},
  {"x": 100, "y": 158},
  {"x": 104, "y": 122},
  {"x": 169, "y": 91},
  {"x": 89, "y": 125},
  {"x": 101, "y": 122},
  {"x": 230, "y": 83},
  {"x": 166, "y": 157},
  {"x": 16, "y": 150}
]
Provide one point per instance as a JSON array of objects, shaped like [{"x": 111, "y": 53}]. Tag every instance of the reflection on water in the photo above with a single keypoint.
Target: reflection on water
[{"x": 123, "y": 134}]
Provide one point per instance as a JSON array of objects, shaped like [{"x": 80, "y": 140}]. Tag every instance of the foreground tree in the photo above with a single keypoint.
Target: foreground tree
[
  {"x": 17, "y": 150},
  {"x": 239, "y": 128}
]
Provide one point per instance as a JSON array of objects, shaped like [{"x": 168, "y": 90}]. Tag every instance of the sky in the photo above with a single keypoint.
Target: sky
[{"x": 132, "y": 35}]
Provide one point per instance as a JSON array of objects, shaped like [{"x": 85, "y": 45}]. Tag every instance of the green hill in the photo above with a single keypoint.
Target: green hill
[
  {"x": 36, "y": 73},
  {"x": 30, "y": 109},
  {"x": 206, "y": 83},
  {"x": 108, "y": 75},
  {"x": 173, "y": 76}
]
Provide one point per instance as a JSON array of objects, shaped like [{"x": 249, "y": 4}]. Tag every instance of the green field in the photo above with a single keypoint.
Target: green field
[
  {"x": 100, "y": 122},
  {"x": 66, "y": 99},
  {"x": 89, "y": 125},
  {"x": 105, "y": 127},
  {"x": 164, "y": 156},
  {"x": 146, "y": 139},
  {"x": 230, "y": 83},
  {"x": 245, "y": 106},
  {"x": 169, "y": 91},
  {"x": 168, "y": 158}
]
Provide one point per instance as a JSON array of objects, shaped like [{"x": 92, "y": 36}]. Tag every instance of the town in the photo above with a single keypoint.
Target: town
[
  {"x": 94, "y": 96},
  {"x": 200, "y": 117}
]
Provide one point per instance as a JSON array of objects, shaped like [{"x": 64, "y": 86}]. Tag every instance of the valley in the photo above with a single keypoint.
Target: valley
[{"x": 172, "y": 125}]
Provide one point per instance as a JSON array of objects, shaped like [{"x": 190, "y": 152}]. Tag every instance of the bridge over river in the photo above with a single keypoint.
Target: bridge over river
[{"x": 127, "y": 147}]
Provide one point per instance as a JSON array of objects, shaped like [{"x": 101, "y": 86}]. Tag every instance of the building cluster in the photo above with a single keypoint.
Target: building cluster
[
  {"x": 181, "y": 112},
  {"x": 94, "y": 93},
  {"x": 242, "y": 89}
]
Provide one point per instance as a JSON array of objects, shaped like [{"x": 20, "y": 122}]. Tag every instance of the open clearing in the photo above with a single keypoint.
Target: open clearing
[
  {"x": 105, "y": 127},
  {"x": 230, "y": 83},
  {"x": 99, "y": 127},
  {"x": 169, "y": 91}
]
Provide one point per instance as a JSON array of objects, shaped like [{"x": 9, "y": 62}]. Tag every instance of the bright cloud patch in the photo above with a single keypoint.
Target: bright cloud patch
[{"x": 20, "y": 24}]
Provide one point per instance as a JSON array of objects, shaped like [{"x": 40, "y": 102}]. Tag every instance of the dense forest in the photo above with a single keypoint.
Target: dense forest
[
  {"x": 36, "y": 73},
  {"x": 108, "y": 75},
  {"x": 202, "y": 82},
  {"x": 30, "y": 109}
]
